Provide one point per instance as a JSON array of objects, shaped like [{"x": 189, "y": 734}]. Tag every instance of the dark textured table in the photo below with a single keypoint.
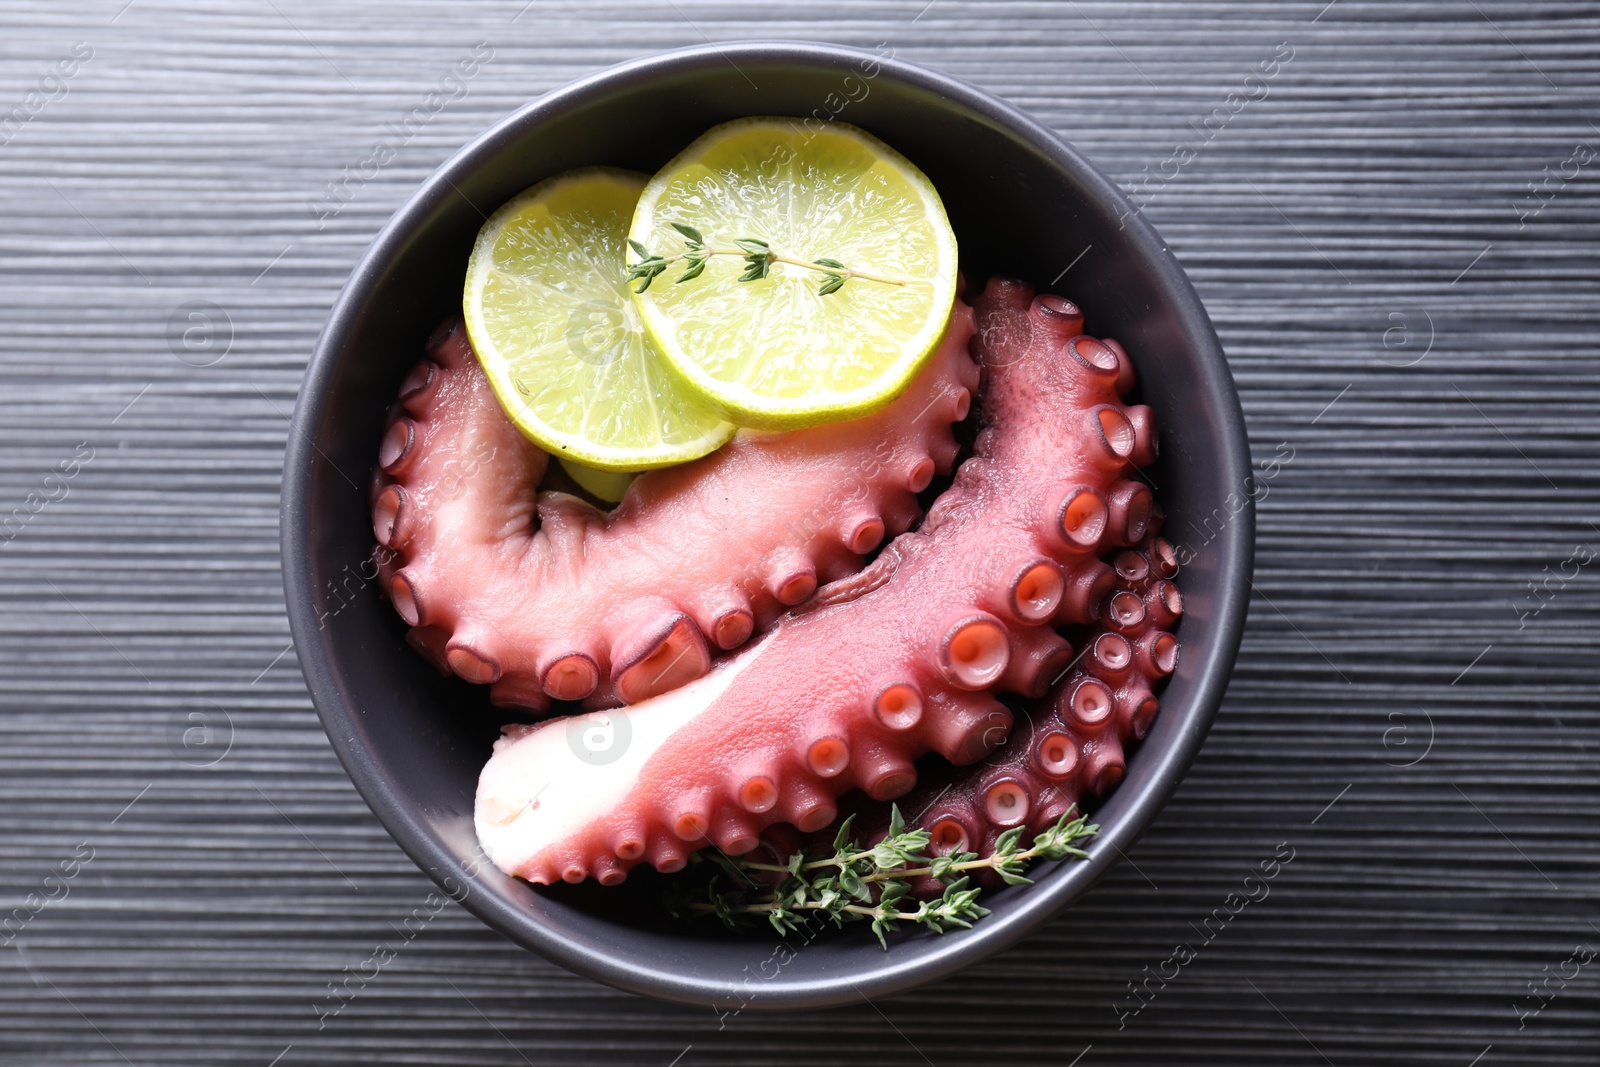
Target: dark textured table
[{"x": 1395, "y": 233}]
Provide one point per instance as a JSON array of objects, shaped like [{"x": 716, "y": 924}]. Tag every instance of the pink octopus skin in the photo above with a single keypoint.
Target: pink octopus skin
[
  {"x": 903, "y": 658},
  {"x": 541, "y": 595},
  {"x": 1074, "y": 741}
]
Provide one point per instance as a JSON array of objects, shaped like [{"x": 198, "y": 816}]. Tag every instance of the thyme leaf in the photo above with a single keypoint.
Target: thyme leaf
[
  {"x": 855, "y": 884},
  {"x": 758, "y": 256}
]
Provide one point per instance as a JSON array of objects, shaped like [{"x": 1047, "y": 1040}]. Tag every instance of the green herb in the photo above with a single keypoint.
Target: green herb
[
  {"x": 758, "y": 259},
  {"x": 856, "y": 884}
]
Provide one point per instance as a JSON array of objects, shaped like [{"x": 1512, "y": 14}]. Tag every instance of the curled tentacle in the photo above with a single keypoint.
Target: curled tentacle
[
  {"x": 904, "y": 658},
  {"x": 1073, "y": 744},
  {"x": 542, "y": 596}
]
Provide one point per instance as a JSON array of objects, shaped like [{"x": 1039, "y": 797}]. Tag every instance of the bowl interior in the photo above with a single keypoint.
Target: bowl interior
[{"x": 1022, "y": 204}]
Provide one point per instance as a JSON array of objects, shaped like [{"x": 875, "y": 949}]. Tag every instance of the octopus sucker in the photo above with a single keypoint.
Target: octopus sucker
[
  {"x": 1130, "y": 504},
  {"x": 569, "y": 677},
  {"x": 1036, "y": 591},
  {"x": 905, "y": 657},
  {"x": 1146, "y": 446},
  {"x": 545, "y": 597},
  {"x": 881, "y": 771},
  {"x": 660, "y": 649},
  {"x": 386, "y": 516},
  {"x": 1039, "y": 656},
  {"x": 1085, "y": 594},
  {"x": 526, "y": 693},
  {"x": 465, "y": 659},
  {"x": 965, "y": 727},
  {"x": 865, "y": 534}
]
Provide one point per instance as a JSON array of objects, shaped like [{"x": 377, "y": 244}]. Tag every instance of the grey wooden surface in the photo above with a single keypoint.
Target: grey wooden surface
[{"x": 1402, "y": 717}]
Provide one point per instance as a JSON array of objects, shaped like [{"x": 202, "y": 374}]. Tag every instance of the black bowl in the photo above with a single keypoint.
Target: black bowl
[{"x": 1022, "y": 203}]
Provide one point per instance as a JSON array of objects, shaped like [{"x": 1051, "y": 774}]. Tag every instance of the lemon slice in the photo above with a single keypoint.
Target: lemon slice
[
  {"x": 549, "y": 315},
  {"x": 806, "y": 343},
  {"x": 609, "y": 486}
]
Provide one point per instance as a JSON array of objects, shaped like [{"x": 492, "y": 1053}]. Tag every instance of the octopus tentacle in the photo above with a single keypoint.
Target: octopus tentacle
[
  {"x": 542, "y": 596},
  {"x": 1074, "y": 743},
  {"x": 904, "y": 658}
]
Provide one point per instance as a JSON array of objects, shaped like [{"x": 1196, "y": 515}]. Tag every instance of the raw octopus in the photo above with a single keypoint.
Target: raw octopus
[
  {"x": 877, "y": 669},
  {"x": 541, "y": 595},
  {"x": 1073, "y": 743}
]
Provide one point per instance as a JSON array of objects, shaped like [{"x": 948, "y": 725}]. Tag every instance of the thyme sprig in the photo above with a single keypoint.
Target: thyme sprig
[
  {"x": 856, "y": 884},
  {"x": 758, "y": 258}
]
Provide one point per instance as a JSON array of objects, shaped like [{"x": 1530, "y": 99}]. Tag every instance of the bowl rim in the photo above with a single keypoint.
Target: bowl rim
[{"x": 893, "y": 973}]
